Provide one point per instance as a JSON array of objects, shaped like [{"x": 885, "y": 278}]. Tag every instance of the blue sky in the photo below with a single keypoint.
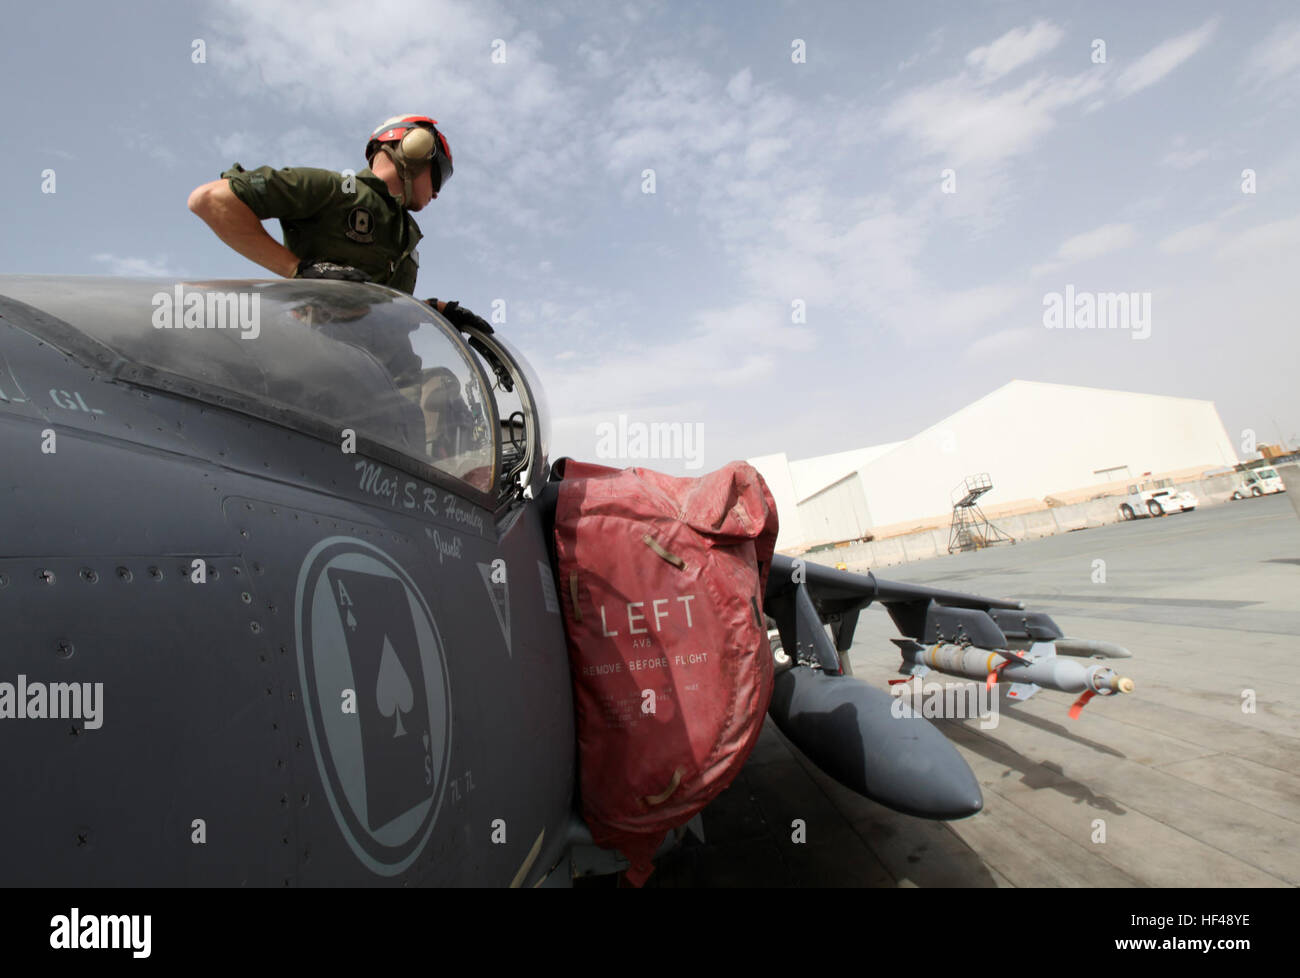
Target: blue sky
[{"x": 776, "y": 182}]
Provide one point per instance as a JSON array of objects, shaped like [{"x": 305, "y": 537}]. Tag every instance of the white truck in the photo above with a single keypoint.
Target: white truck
[
  {"x": 1258, "y": 482},
  {"x": 1155, "y": 497}
]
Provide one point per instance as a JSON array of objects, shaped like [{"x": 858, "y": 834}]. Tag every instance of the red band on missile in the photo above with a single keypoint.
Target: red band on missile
[
  {"x": 993, "y": 677},
  {"x": 1080, "y": 703}
]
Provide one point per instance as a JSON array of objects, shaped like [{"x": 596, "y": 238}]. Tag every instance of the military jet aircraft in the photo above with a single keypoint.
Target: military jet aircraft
[{"x": 280, "y": 607}]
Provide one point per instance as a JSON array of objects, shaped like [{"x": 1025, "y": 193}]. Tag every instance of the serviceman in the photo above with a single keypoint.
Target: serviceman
[{"x": 353, "y": 228}]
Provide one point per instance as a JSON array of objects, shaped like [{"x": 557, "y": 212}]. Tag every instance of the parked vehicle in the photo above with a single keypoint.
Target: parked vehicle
[
  {"x": 1155, "y": 497},
  {"x": 1258, "y": 482}
]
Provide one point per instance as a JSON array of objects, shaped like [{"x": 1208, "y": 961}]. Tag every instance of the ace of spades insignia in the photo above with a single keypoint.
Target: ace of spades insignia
[{"x": 392, "y": 703}]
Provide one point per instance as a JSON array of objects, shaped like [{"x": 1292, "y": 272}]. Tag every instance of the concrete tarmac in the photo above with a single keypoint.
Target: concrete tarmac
[{"x": 1192, "y": 780}]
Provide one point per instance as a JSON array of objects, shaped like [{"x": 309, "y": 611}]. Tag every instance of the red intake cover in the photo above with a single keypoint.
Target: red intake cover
[{"x": 662, "y": 583}]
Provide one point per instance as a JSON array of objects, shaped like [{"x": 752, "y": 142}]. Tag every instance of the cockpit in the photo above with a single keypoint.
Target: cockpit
[{"x": 330, "y": 359}]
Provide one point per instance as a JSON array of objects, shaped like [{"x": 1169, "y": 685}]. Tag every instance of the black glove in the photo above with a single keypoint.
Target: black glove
[
  {"x": 462, "y": 318},
  {"x": 327, "y": 269}
]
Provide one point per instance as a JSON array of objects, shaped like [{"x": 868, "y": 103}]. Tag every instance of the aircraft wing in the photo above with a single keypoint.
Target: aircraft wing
[{"x": 875, "y": 743}]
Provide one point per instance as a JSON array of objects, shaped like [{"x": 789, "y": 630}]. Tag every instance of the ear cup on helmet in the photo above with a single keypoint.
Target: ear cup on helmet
[{"x": 417, "y": 144}]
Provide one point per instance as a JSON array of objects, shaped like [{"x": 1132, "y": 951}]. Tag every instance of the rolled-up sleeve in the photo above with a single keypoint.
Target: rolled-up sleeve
[{"x": 291, "y": 193}]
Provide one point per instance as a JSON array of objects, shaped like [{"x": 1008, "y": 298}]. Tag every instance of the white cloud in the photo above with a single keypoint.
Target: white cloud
[
  {"x": 1086, "y": 246},
  {"x": 1162, "y": 59},
  {"x": 961, "y": 122},
  {"x": 1182, "y": 159},
  {"x": 598, "y": 60},
  {"x": 1275, "y": 241},
  {"x": 238, "y": 145},
  {"x": 134, "y": 267},
  {"x": 1015, "y": 48},
  {"x": 1189, "y": 239},
  {"x": 674, "y": 116},
  {"x": 936, "y": 44},
  {"x": 1098, "y": 242},
  {"x": 741, "y": 85},
  {"x": 1276, "y": 56}
]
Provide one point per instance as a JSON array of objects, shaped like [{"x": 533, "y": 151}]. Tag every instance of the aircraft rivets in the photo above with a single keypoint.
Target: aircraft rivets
[
  {"x": 257, "y": 568},
  {"x": 298, "y": 744},
  {"x": 248, "y": 505},
  {"x": 64, "y": 649},
  {"x": 246, "y": 597},
  {"x": 268, "y": 690},
  {"x": 279, "y": 764},
  {"x": 255, "y": 627},
  {"x": 4, "y": 581},
  {"x": 88, "y": 575},
  {"x": 306, "y": 800},
  {"x": 45, "y": 576},
  {"x": 293, "y": 696},
  {"x": 284, "y": 801},
  {"x": 155, "y": 573},
  {"x": 83, "y": 838},
  {"x": 124, "y": 574},
  {"x": 244, "y": 534}
]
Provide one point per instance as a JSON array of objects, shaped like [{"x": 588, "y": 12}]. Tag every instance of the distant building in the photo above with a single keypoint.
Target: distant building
[{"x": 1035, "y": 440}]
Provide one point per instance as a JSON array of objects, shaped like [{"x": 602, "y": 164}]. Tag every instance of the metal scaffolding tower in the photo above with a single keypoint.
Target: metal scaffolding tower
[{"x": 971, "y": 529}]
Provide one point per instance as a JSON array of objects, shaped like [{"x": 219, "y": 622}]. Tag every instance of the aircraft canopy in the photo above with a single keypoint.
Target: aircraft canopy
[{"x": 320, "y": 356}]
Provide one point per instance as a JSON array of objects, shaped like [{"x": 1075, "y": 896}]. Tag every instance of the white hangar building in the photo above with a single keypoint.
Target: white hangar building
[{"x": 1033, "y": 439}]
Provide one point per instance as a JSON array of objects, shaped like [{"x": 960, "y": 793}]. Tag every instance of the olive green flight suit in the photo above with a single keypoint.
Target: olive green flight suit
[{"x": 322, "y": 221}]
